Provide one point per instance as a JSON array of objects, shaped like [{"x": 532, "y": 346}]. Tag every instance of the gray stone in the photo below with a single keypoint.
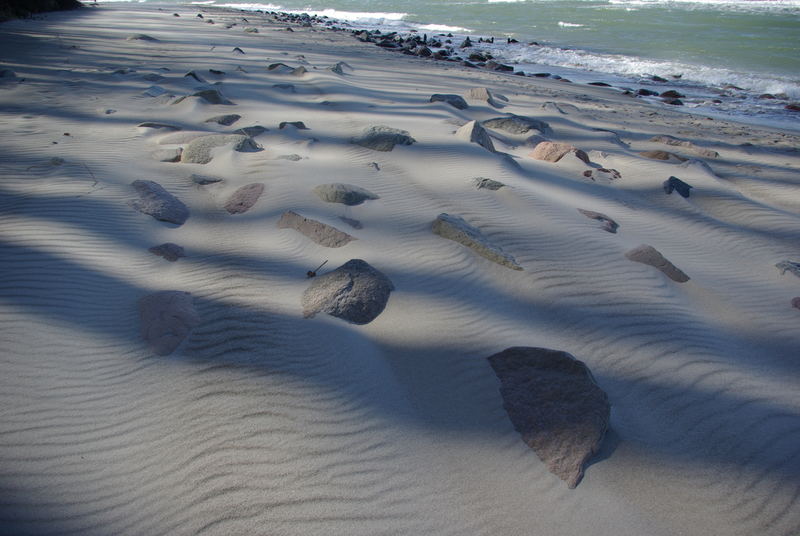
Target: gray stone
[
  {"x": 347, "y": 194},
  {"x": 226, "y": 120},
  {"x": 290, "y": 157},
  {"x": 796, "y": 302},
  {"x": 299, "y": 125},
  {"x": 355, "y": 292},
  {"x": 167, "y": 318},
  {"x": 556, "y": 406},
  {"x": 608, "y": 224},
  {"x": 168, "y": 155},
  {"x": 456, "y": 101},
  {"x": 158, "y": 126},
  {"x": 790, "y": 266},
  {"x": 649, "y": 255},
  {"x": 197, "y": 77},
  {"x": 553, "y": 152},
  {"x": 322, "y": 234},
  {"x": 355, "y": 224},
  {"x": 251, "y": 132},
  {"x": 158, "y": 203},
  {"x": 282, "y": 68},
  {"x": 662, "y": 155},
  {"x": 339, "y": 67},
  {"x": 517, "y": 124},
  {"x": 674, "y": 183},
  {"x": 483, "y": 94},
  {"x": 244, "y": 198},
  {"x": 285, "y": 87},
  {"x": 473, "y": 132},
  {"x": 383, "y": 138},
  {"x": 168, "y": 250},
  {"x": 605, "y": 175},
  {"x": 181, "y": 137},
  {"x": 141, "y": 37},
  {"x": 488, "y": 184},
  {"x": 700, "y": 151},
  {"x": 203, "y": 180},
  {"x": 199, "y": 150},
  {"x": 456, "y": 229},
  {"x": 211, "y": 96}
]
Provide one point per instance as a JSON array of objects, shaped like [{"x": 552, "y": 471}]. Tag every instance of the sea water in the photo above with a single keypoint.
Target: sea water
[{"x": 723, "y": 54}]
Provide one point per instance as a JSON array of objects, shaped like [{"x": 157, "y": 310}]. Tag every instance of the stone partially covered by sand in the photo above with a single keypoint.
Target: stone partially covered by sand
[
  {"x": 456, "y": 101},
  {"x": 168, "y": 250},
  {"x": 473, "y": 132},
  {"x": 517, "y": 124},
  {"x": 482, "y": 94},
  {"x": 321, "y": 233},
  {"x": 608, "y": 224},
  {"x": 158, "y": 126},
  {"x": 168, "y": 155},
  {"x": 700, "y": 151},
  {"x": 789, "y": 266},
  {"x": 675, "y": 184},
  {"x": 662, "y": 155},
  {"x": 211, "y": 96},
  {"x": 198, "y": 151},
  {"x": 650, "y": 255},
  {"x": 167, "y": 318},
  {"x": 244, "y": 198},
  {"x": 355, "y": 291},
  {"x": 141, "y": 37},
  {"x": 155, "y": 201},
  {"x": 225, "y": 120},
  {"x": 556, "y": 406},
  {"x": 456, "y": 229},
  {"x": 347, "y": 194},
  {"x": 553, "y": 152},
  {"x": 383, "y": 138},
  {"x": 483, "y": 183}
]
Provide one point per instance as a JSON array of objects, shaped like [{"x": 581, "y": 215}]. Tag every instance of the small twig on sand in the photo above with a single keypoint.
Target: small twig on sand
[{"x": 313, "y": 273}]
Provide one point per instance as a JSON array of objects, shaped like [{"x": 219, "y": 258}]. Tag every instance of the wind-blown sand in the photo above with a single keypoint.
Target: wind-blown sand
[{"x": 264, "y": 422}]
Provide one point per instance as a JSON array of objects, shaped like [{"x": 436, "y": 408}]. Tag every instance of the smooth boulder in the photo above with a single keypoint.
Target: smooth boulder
[
  {"x": 321, "y": 233},
  {"x": 225, "y": 120},
  {"x": 456, "y": 229},
  {"x": 556, "y": 406},
  {"x": 167, "y": 318},
  {"x": 244, "y": 198},
  {"x": 650, "y": 255},
  {"x": 517, "y": 124},
  {"x": 355, "y": 291},
  {"x": 456, "y": 101},
  {"x": 155, "y": 201},
  {"x": 198, "y": 151},
  {"x": 553, "y": 152},
  {"x": 347, "y": 194},
  {"x": 383, "y": 138}
]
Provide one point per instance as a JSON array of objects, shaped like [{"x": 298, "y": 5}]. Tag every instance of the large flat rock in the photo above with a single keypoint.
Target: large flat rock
[
  {"x": 347, "y": 194},
  {"x": 517, "y": 124},
  {"x": 321, "y": 233},
  {"x": 456, "y": 229},
  {"x": 650, "y": 255},
  {"x": 167, "y": 318},
  {"x": 383, "y": 138},
  {"x": 555, "y": 405},
  {"x": 355, "y": 291},
  {"x": 155, "y": 201},
  {"x": 198, "y": 151},
  {"x": 244, "y": 198}
]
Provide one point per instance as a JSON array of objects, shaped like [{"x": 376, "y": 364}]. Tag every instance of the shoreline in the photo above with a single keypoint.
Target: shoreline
[{"x": 178, "y": 189}]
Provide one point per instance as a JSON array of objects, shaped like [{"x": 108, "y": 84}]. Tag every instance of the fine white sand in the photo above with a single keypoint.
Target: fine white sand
[{"x": 263, "y": 422}]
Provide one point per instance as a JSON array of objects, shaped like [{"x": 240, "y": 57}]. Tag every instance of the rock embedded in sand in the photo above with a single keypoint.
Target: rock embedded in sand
[
  {"x": 167, "y": 318},
  {"x": 796, "y": 302},
  {"x": 516, "y": 124},
  {"x": 650, "y": 255},
  {"x": 675, "y": 142},
  {"x": 339, "y": 67},
  {"x": 553, "y": 152},
  {"x": 198, "y": 151},
  {"x": 168, "y": 155},
  {"x": 299, "y": 125},
  {"x": 662, "y": 155},
  {"x": 790, "y": 266},
  {"x": 456, "y": 101},
  {"x": 608, "y": 224},
  {"x": 473, "y": 132},
  {"x": 347, "y": 194},
  {"x": 556, "y": 406},
  {"x": 322, "y": 234},
  {"x": 211, "y": 96},
  {"x": 602, "y": 174},
  {"x": 456, "y": 229},
  {"x": 482, "y": 183},
  {"x": 244, "y": 198},
  {"x": 155, "y": 201},
  {"x": 203, "y": 180},
  {"x": 225, "y": 120},
  {"x": 674, "y": 183},
  {"x": 168, "y": 250},
  {"x": 251, "y": 132},
  {"x": 141, "y": 37},
  {"x": 483, "y": 94},
  {"x": 158, "y": 126},
  {"x": 383, "y": 138},
  {"x": 355, "y": 291}
]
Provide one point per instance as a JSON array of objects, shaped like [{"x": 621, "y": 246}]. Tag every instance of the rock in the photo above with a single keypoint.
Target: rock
[
  {"x": 602, "y": 174},
  {"x": 355, "y": 224},
  {"x": 556, "y": 406},
  {"x": 237, "y": 50},
  {"x": 473, "y": 132},
  {"x": 141, "y": 37},
  {"x": 488, "y": 184},
  {"x": 198, "y": 151},
  {"x": 282, "y": 68},
  {"x": 456, "y": 229},
  {"x": 197, "y": 77},
  {"x": 465, "y": 43},
  {"x": 158, "y": 203},
  {"x": 158, "y": 126},
  {"x": 455, "y": 101},
  {"x": 244, "y": 198},
  {"x": 299, "y": 125},
  {"x": 674, "y": 183},
  {"x": 226, "y": 120},
  {"x": 181, "y": 137},
  {"x": 203, "y": 180},
  {"x": 649, "y": 255},
  {"x": 285, "y": 87},
  {"x": 211, "y": 96},
  {"x": 608, "y": 224},
  {"x": 340, "y": 67},
  {"x": 599, "y": 84},
  {"x": 646, "y": 93},
  {"x": 672, "y": 94},
  {"x": 154, "y": 91},
  {"x": 168, "y": 250},
  {"x": 669, "y": 140},
  {"x": 322, "y": 234},
  {"x": 347, "y": 194},
  {"x": 383, "y": 138},
  {"x": 167, "y": 318},
  {"x": 251, "y": 132},
  {"x": 516, "y": 124},
  {"x": 553, "y": 152},
  {"x": 355, "y": 292},
  {"x": 168, "y": 155},
  {"x": 495, "y": 66},
  {"x": 662, "y": 155},
  {"x": 791, "y": 266},
  {"x": 250, "y": 29},
  {"x": 793, "y": 107},
  {"x": 483, "y": 94},
  {"x": 796, "y": 302},
  {"x": 290, "y": 157}
]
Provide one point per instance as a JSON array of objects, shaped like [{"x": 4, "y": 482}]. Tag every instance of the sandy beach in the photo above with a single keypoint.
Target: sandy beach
[{"x": 168, "y": 180}]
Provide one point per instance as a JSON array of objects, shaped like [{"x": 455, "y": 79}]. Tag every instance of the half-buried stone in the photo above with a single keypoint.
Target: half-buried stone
[
  {"x": 211, "y": 96},
  {"x": 662, "y": 155},
  {"x": 608, "y": 224},
  {"x": 517, "y": 124},
  {"x": 244, "y": 198},
  {"x": 322, "y": 234},
  {"x": 473, "y": 132},
  {"x": 226, "y": 120},
  {"x": 167, "y": 318},
  {"x": 355, "y": 291},
  {"x": 650, "y": 255},
  {"x": 347, "y": 194},
  {"x": 556, "y": 406},
  {"x": 456, "y": 229},
  {"x": 198, "y": 151},
  {"x": 155, "y": 201},
  {"x": 168, "y": 250},
  {"x": 553, "y": 152},
  {"x": 790, "y": 266},
  {"x": 482, "y": 183},
  {"x": 674, "y": 183},
  {"x": 456, "y": 101},
  {"x": 383, "y": 138}
]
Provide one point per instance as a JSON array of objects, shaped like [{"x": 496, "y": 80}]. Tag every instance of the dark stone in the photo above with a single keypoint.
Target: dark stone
[
  {"x": 556, "y": 406},
  {"x": 672, "y": 94},
  {"x": 225, "y": 120},
  {"x": 466, "y": 43},
  {"x": 655, "y": 78},
  {"x": 791, "y": 266},
  {"x": 168, "y": 250},
  {"x": 203, "y": 180},
  {"x": 155, "y": 201},
  {"x": 599, "y": 84},
  {"x": 488, "y": 184},
  {"x": 456, "y": 101},
  {"x": 674, "y": 183},
  {"x": 608, "y": 224},
  {"x": 673, "y": 102},
  {"x": 516, "y": 124},
  {"x": 347, "y": 194},
  {"x": 244, "y": 198},
  {"x": 383, "y": 138},
  {"x": 647, "y": 92},
  {"x": 793, "y": 107},
  {"x": 299, "y": 125}
]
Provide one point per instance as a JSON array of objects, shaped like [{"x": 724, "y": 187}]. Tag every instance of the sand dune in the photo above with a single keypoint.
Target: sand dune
[{"x": 265, "y": 422}]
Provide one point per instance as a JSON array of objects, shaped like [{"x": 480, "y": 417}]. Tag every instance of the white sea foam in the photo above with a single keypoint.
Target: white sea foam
[
  {"x": 732, "y": 5},
  {"x": 253, "y": 7},
  {"x": 570, "y": 24},
  {"x": 363, "y": 17}
]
